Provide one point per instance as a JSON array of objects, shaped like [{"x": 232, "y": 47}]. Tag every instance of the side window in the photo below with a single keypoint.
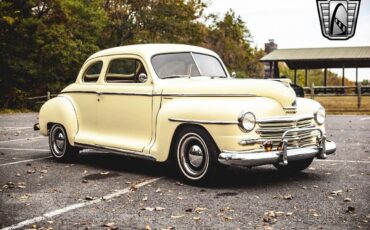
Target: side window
[
  {"x": 92, "y": 73},
  {"x": 124, "y": 70}
]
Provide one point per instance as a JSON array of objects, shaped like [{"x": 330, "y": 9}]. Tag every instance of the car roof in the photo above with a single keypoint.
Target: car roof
[{"x": 148, "y": 50}]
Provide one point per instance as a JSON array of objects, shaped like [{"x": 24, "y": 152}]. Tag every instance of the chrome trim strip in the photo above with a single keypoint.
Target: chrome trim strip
[
  {"x": 128, "y": 153},
  {"x": 208, "y": 95},
  {"x": 283, "y": 119},
  {"x": 203, "y": 121},
  {"x": 168, "y": 95},
  {"x": 256, "y": 158},
  {"x": 270, "y": 130}
]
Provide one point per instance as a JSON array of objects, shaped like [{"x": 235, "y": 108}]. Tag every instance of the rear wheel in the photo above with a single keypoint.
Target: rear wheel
[
  {"x": 196, "y": 155},
  {"x": 295, "y": 166},
  {"x": 59, "y": 144}
]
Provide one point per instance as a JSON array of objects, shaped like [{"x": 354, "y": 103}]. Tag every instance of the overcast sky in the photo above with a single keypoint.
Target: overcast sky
[{"x": 293, "y": 24}]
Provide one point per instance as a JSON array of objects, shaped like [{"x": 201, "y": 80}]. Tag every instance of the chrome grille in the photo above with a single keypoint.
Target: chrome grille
[{"x": 272, "y": 129}]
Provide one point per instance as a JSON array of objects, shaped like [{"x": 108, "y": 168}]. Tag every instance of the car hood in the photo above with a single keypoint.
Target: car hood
[{"x": 228, "y": 87}]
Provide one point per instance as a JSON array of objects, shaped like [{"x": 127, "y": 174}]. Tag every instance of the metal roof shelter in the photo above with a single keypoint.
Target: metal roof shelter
[{"x": 319, "y": 58}]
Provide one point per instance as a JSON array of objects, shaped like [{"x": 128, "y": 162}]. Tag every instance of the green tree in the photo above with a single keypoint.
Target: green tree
[
  {"x": 149, "y": 21},
  {"x": 229, "y": 38},
  {"x": 43, "y": 44}
]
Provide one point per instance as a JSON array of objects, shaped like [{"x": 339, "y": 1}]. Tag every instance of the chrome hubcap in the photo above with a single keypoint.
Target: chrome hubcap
[
  {"x": 58, "y": 141},
  {"x": 193, "y": 156}
]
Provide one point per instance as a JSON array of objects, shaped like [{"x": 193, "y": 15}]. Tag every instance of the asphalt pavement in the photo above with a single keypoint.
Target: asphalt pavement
[{"x": 105, "y": 191}]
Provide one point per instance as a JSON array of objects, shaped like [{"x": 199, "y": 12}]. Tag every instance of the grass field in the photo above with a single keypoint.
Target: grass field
[{"x": 344, "y": 104}]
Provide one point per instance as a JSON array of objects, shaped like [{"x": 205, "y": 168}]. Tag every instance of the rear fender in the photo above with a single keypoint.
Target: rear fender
[{"x": 59, "y": 110}]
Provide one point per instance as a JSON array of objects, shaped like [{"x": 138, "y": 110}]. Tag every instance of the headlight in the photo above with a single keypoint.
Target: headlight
[
  {"x": 320, "y": 116},
  {"x": 247, "y": 121}
]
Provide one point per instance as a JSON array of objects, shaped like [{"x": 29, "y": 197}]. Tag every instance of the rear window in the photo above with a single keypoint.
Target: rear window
[{"x": 92, "y": 73}]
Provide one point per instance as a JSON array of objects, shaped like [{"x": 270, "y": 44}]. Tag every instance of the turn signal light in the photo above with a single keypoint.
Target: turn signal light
[{"x": 268, "y": 146}]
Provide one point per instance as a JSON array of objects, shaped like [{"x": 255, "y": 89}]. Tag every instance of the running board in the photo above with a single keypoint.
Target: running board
[{"x": 127, "y": 153}]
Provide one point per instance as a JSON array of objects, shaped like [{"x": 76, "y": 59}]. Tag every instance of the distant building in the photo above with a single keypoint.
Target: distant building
[{"x": 269, "y": 67}]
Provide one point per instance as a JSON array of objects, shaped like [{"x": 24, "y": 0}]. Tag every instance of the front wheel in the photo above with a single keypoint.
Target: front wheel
[
  {"x": 295, "y": 166},
  {"x": 196, "y": 155},
  {"x": 59, "y": 145}
]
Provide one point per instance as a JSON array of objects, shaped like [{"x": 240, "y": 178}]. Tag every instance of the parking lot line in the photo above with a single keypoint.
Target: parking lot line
[
  {"x": 23, "y": 139},
  {"x": 78, "y": 205},
  {"x": 23, "y": 161},
  {"x": 365, "y": 118},
  {"x": 16, "y": 128},
  {"x": 343, "y": 161},
  {"x": 20, "y": 149}
]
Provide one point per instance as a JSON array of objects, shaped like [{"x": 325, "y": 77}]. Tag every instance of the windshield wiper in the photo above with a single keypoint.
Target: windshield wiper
[
  {"x": 218, "y": 76},
  {"x": 175, "y": 76}
]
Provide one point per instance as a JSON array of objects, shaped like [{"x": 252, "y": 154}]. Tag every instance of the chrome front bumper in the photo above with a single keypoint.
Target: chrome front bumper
[{"x": 256, "y": 158}]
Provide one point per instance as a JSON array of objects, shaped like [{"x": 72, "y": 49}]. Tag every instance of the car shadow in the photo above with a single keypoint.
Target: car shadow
[{"x": 228, "y": 177}]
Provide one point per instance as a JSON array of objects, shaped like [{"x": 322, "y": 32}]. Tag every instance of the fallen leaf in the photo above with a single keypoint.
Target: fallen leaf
[
  {"x": 21, "y": 186},
  {"x": 270, "y": 214},
  {"x": 150, "y": 209},
  {"x": 228, "y": 218},
  {"x": 315, "y": 186},
  {"x": 179, "y": 183},
  {"x": 289, "y": 214},
  {"x": 44, "y": 171},
  {"x": 288, "y": 197},
  {"x": 315, "y": 214},
  {"x": 10, "y": 185},
  {"x": 158, "y": 190},
  {"x": 148, "y": 227},
  {"x": 31, "y": 171},
  {"x": 159, "y": 208},
  {"x": 200, "y": 210},
  {"x": 180, "y": 198},
  {"x": 177, "y": 217},
  {"x": 18, "y": 175},
  {"x": 330, "y": 197},
  {"x": 336, "y": 193},
  {"x": 188, "y": 210},
  {"x": 85, "y": 181},
  {"x": 350, "y": 209},
  {"x": 111, "y": 226},
  {"x": 25, "y": 197},
  {"x": 196, "y": 218},
  {"x": 145, "y": 198},
  {"x": 278, "y": 213},
  {"x": 88, "y": 198},
  {"x": 347, "y": 199},
  {"x": 133, "y": 188},
  {"x": 104, "y": 173},
  {"x": 267, "y": 227}
]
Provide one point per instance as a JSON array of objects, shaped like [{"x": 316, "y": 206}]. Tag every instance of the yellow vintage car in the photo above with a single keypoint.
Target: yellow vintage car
[{"x": 178, "y": 103}]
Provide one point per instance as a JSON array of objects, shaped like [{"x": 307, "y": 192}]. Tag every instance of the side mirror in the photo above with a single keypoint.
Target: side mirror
[
  {"x": 142, "y": 78},
  {"x": 233, "y": 74}
]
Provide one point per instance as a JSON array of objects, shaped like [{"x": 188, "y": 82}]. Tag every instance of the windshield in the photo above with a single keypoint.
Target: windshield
[{"x": 187, "y": 65}]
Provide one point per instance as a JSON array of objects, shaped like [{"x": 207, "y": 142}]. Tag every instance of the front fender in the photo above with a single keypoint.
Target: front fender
[
  {"x": 226, "y": 136},
  {"x": 59, "y": 110}
]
